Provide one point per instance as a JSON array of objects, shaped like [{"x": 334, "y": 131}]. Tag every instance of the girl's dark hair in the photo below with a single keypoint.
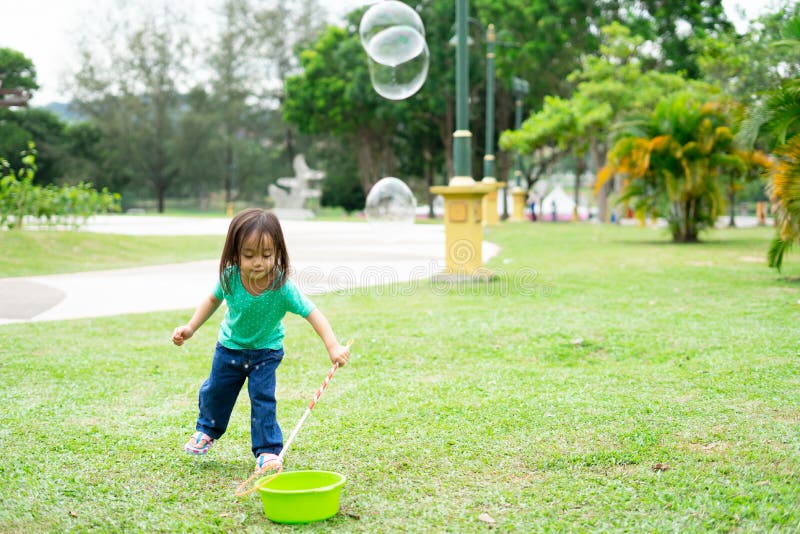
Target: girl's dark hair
[{"x": 243, "y": 225}]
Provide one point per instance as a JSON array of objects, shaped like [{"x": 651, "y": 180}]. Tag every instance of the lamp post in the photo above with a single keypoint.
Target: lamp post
[
  {"x": 462, "y": 138},
  {"x": 462, "y": 196},
  {"x": 519, "y": 88},
  {"x": 489, "y": 203},
  {"x": 488, "y": 159},
  {"x": 490, "y": 216}
]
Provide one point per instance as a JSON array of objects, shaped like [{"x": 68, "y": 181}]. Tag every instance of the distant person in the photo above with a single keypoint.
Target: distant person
[
  {"x": 555, "y": 211},
  {"x": 254, "y": 282},
  {"x": 532, "y": 204}
]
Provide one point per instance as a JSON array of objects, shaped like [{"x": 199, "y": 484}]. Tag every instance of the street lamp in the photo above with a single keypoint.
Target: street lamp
[
  {"x": 462, "y": 138},
  {"x": 488, "y": 159},
  {"x": 519, "y": 88},
  {"x": 463, "y": 196},
  {"x": 489, "y": 205},
  {"x": 490, "y": 200}
]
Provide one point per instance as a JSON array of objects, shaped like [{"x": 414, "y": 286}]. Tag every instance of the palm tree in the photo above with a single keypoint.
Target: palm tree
[
  {"x": 777, "y": 117},
  {"x": 780, "y": 118},
  {"x": 783, "y": 106},
  {"x": 671, "y": 163}
]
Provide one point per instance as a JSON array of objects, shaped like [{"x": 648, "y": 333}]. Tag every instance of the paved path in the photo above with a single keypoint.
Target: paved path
[{"x": 326, "y": 256}]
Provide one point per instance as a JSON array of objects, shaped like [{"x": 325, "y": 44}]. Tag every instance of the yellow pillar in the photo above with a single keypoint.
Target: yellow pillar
[
  {"x": 489, "y": 207},
  {"x": 518, "y": 212},
  {"x": 761, "y": 213},
  {"x": 463, "y": 226}
]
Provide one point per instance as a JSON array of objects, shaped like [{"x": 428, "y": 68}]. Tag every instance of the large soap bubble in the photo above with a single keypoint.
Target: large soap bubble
[
  {"x": 384, "y": 15},
  {"x": 395, "y": 45},
  {"x": 399, "y": 80},
  {"x": 393, "y": 36},
  {"x": 390, "y": 208}
]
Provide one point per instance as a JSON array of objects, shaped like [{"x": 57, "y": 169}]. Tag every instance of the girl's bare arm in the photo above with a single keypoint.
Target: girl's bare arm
[
  {"x": 204, "y": 310},
  {"x": 337, "y": 352}
]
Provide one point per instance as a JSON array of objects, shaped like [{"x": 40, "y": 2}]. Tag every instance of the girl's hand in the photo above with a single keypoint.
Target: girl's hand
[
  {"x": 339, "y": 354},
  {"x": 181, "y": 334}
]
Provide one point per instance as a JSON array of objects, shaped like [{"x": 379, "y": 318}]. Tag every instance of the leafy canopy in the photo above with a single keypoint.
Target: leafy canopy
[
  {"x": 671, "y": 162},
  {"x": 17, "y": 71}
]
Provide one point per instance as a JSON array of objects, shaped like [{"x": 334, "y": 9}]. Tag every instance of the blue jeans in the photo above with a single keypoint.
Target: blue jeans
[{"x": 218, "y": 394}]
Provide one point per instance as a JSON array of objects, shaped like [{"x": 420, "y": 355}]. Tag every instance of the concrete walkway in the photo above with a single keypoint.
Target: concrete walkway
[{"x": 326, "y": 256}]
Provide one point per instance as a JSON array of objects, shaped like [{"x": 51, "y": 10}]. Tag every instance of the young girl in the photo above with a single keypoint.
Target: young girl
[{"x": 253, "y": 280}]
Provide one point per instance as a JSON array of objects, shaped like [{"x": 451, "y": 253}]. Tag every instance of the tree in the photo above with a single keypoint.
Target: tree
[
  {"x": 672, "y": 164},
  {"x": 779, "y": 121},
  {"x": 231, "y": 62},
  {"x": 334, "y": 95},
  {"x": 568, "y": 126},
  {"x": 81, "y": 158},
  {"x": 19, "y": 127},
  {"x": 544, "y": 42},
  {"x": 671, "y": 25},
  {"x": 611, "y": 87},
  {"x": 283, "y": 29},
  {"x": 198, "y": 146},
  {"x": 17, "y": 71},
  {"x": 130, "y": 94},
  {"x": 747, "y": 65},
  {"x": 550, "y": 37},
  {"x": 784, "y": 187}
]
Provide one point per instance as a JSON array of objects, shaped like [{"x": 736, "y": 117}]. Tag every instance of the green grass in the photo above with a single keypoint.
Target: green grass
[
  {"x": 543, "y": 401},
  {"x": 48, "y": 252}
]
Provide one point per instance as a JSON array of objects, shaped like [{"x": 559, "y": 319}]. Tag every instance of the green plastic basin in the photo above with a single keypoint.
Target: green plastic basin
[{"x": 302, "y": 496}]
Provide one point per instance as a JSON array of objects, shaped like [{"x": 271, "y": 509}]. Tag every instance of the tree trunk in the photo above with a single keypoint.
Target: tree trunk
[
  {"x": 687, "y": 230},
  {"x": 228, "y": 180},
  {"x": 580, "y": 167},
  {"x": 731, "y": 205},
  {"x": 290, "y": 147},
  {"x": 375, "y": 156},
  {"x": 605, "y": 189},
  {"x": 428, "y": 172},
  {"x": 161, "y": 193},
  {"x": 366, "y": 163},
  {"x": 388, "y": 165},
  {"x": 446, "y": 128}
]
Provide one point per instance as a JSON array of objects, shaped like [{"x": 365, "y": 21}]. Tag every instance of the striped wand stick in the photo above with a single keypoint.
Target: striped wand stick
[
  {"x": 313, "y": 403},
  {"x": 241, "y": 491}
]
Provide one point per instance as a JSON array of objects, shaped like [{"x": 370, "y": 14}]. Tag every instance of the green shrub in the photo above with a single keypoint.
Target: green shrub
[{"x": 21, "y": 200}]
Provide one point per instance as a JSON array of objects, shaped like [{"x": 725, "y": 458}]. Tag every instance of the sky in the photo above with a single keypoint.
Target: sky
[{"x": 47, "y": 32}]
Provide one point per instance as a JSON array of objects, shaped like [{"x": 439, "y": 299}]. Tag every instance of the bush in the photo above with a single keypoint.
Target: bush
[{"x": 67, "y": 205}]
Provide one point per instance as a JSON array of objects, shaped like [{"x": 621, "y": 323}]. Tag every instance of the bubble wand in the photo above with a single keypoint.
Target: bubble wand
[{"x": 241, "y": 491}]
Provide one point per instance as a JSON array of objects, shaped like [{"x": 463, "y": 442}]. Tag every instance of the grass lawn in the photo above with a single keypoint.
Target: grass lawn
[
  {"x": 608, "y": 380},
  {"x": 48, "y": 252}
]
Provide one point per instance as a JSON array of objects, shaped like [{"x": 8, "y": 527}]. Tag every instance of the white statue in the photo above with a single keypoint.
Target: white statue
[{"x": 305, "y": 184}]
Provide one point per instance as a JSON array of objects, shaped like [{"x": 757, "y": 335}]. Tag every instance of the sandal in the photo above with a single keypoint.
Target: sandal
[
  {"x": 199, "y": 443},
  {"x": 267, "y": 460}
]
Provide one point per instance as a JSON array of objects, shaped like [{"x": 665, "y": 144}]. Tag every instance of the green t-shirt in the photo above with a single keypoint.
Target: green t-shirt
[{"x": 254, "y": 322}]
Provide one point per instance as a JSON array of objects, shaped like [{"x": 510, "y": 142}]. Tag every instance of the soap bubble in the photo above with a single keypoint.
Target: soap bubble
[
  {"x": 393, "y": 36},
  {"x": 401, "y": 80},
  {"x": 384, "y": 15},
  {"x": 390, "y": 208},
  {"x": 395, "y": 45}
]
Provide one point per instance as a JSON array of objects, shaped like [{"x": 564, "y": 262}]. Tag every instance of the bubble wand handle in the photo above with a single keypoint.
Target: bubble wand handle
[
  {"x": 313, "y": 403},
  {"x": 245, "y": 488}
]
